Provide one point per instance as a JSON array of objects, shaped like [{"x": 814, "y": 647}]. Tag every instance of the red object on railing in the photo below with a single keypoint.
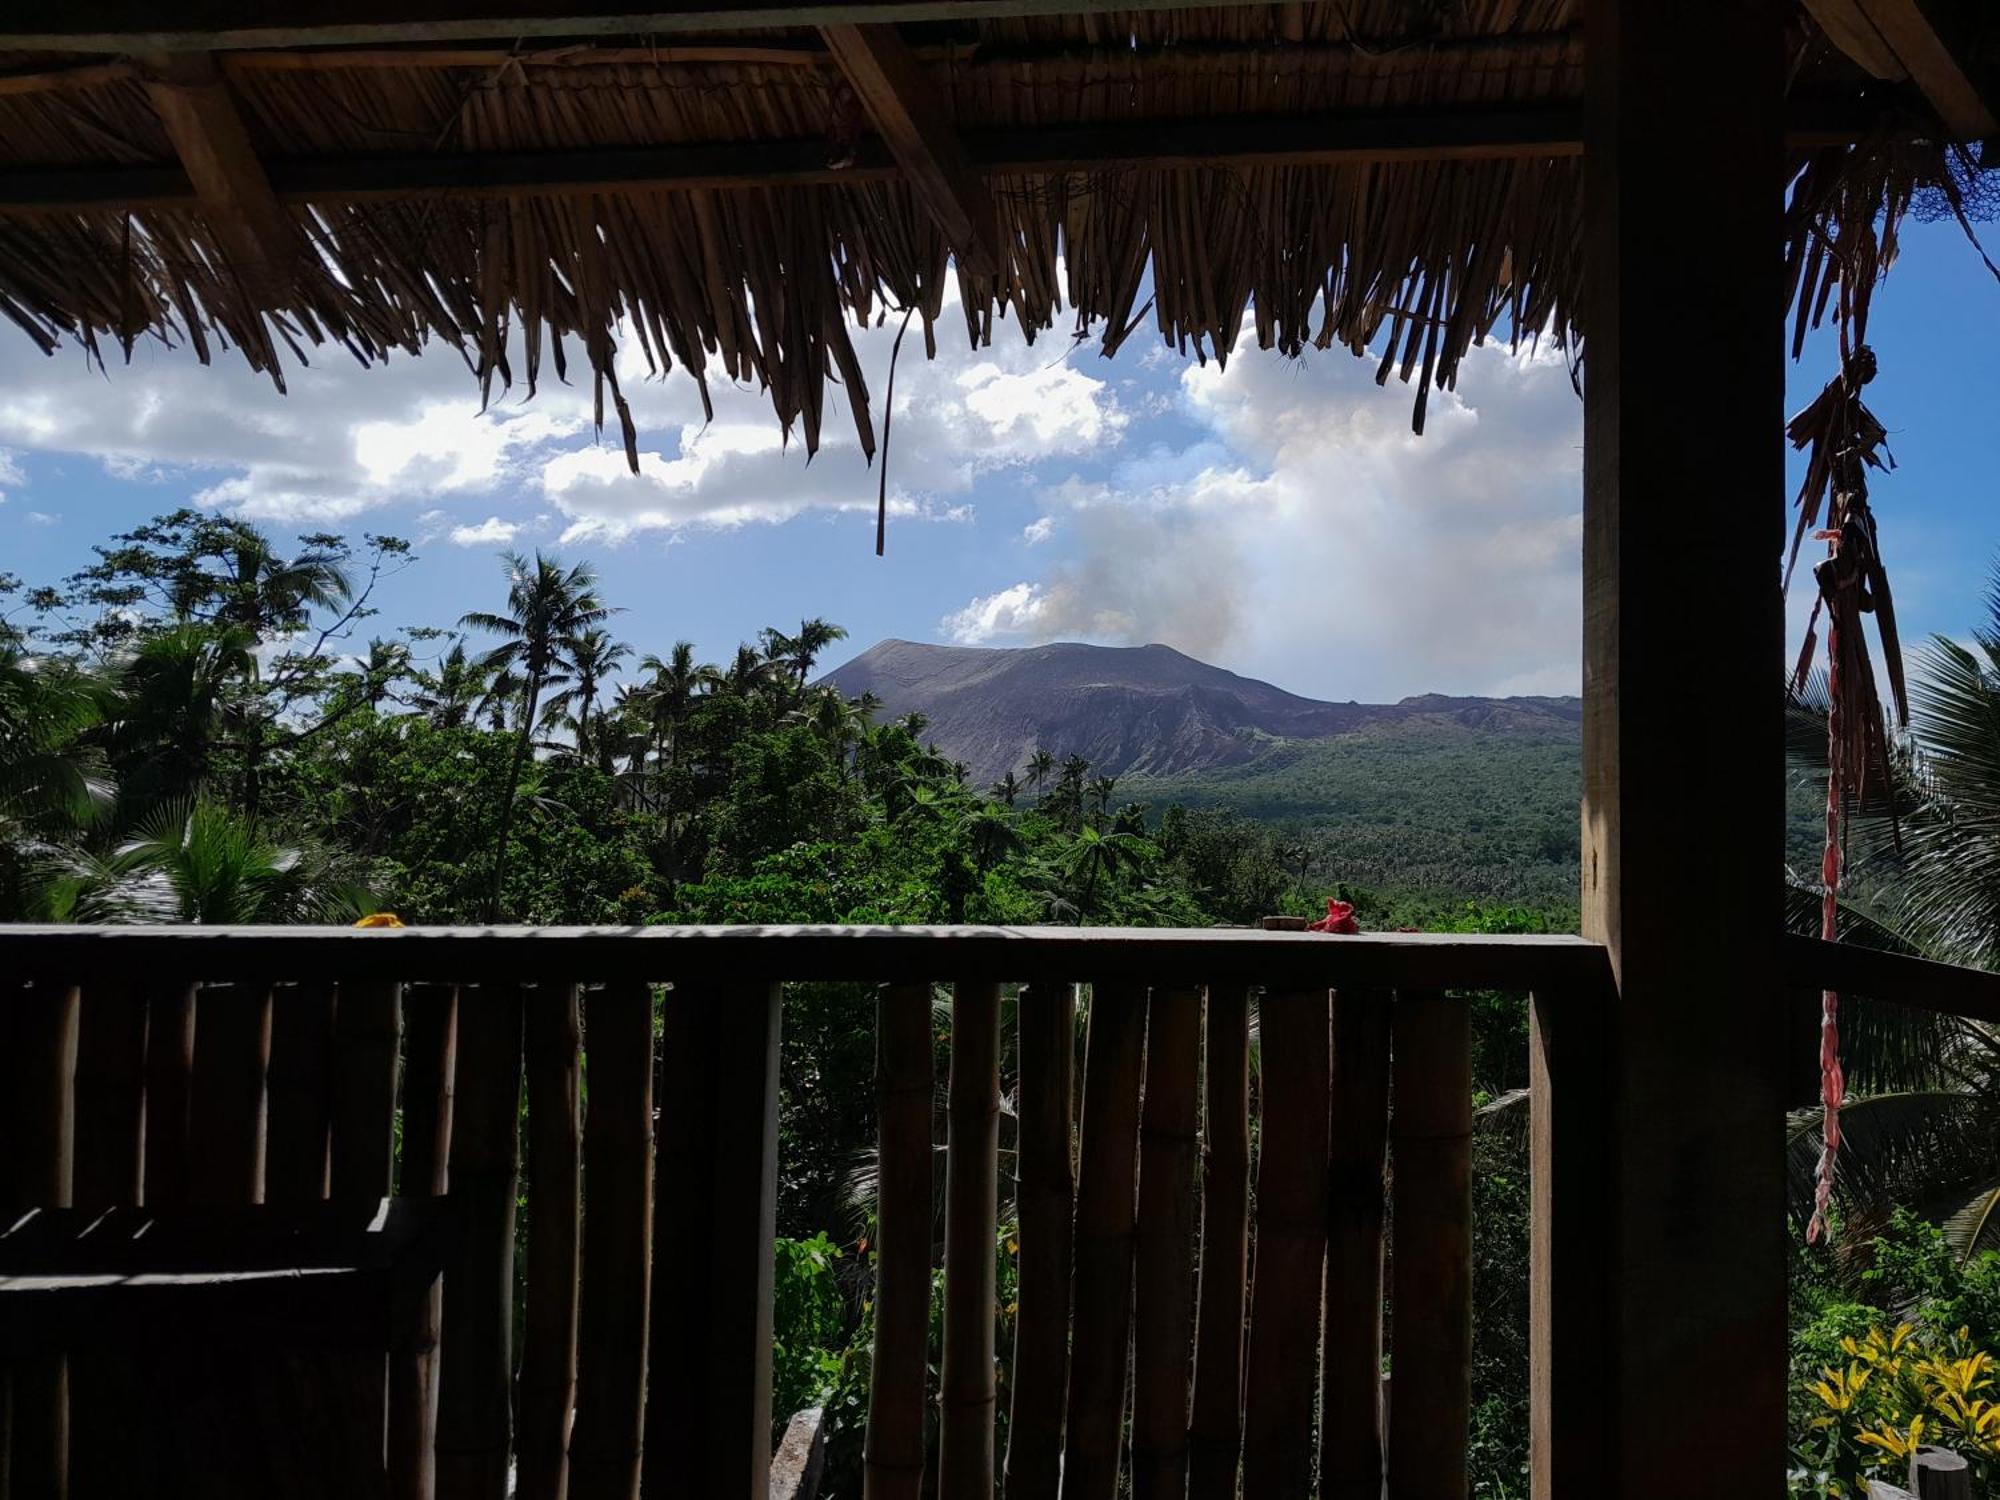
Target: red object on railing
[{"x": 1339, "y": 918}]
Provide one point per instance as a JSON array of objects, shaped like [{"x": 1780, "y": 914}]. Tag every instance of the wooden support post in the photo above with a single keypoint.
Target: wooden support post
[
  {"x": 1114, "y": 1064},
  {"x": 301, "y": 1083},
  {"x": 1350, "y": 1434},
  {"x": 226, "y": 1134},
  {"x": 972, "y": 1178},
  {"x": 1169, "y": 1145},
  {"x": 476, "y": 1364},
  {"x": 110, "y": 1096},
  {"x": 617, "y": 1242},
  {"x": 549, "y": 1328},
  {"x": 430, "y": 1061},
  {"x": 169, "y": 1067},
  {"x": 894, "y": 1463},
  {"x": 1215, "y": 1426},
  {"x": 368, "y": 1035},
  {"x": 1684, "y": 503},
  {"x": 1280, "y": 1390},
  {"x": 910, "y": 116},
  {"x": 1045, "y": 1197}
]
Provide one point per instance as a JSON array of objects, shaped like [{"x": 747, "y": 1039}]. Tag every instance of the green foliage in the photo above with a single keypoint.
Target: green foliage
[{"x": 808, "y": 1326}]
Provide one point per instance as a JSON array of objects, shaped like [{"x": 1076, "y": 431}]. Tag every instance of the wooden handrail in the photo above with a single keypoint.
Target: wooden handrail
[
  {"x": 1896, "y": 978},
  {"x": 1413, "y": 960}
]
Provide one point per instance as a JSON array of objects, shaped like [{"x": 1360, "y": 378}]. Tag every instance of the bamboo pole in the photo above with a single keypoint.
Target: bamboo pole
[
  {"x": 430, "y": 1061},
  {"x": 1046, "y": 1199},
  {"x": 226, "y": 1137},
  {"x": 617, "y": 1242},
  {"x": 1215, "y": 1425},
  {"x": 169, "y": 1067},
  {"x": 476, "y": 1353},
  {"x": 1114, "y": 1059},
  {"x": 965, "y": 1447},
  {"x": 1431, "y": 1295},
  {"x": 1350, "y": 1443},
  {"x": 1294, "y": 1041},
  {"x": 549, "y": 1329},
  {"x": 367, "y": 1034},
  {"x": 894, "y": 1457},
  {"x": 110, "y": 1095},
  {"x": 300, "y": 1088},
  {"x": 1169, "y": 1145}
]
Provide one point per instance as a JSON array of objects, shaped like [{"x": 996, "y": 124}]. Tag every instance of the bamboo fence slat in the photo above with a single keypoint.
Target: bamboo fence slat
[
  {"x": 301, "y": 1091},
  {"x": 430, "y": 1016},
  {"x": 232, "y": 1042},
  {"x": 1294, "y": 1034},
  {"x": 475, "y": 1373},
  {"x": 965, "y": 1448},
  {"x": 617, "y": 1242},
  {"x": 904, "y": 1083},
  {"x": 1215, "y": 1425},
  {"x": 169, "y": 1068},
  {"x": 1431, "y": 1342},
  {"x": 1114, "y": 1060},
  {"x": 110, "y": 1095},
  {"x": 549, "y": 1332},
  {"x": 367, "y": 1035},
  {"x": 1169, "y": 1146},
  {"x": 1046, "y": 1199},
  {"x": 1350, "y": 1445}
]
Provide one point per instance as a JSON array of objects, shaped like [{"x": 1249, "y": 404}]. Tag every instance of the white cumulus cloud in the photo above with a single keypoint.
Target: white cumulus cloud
[{"x": 491, "y": 532}]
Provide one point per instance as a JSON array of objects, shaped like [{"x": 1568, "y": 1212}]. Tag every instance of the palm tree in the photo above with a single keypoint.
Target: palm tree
[
  {"x": 258, "y": 589},
  {"x": 748, "y": 674},
  {"x": 387, "y": 661},
  {"x": 594, "y": 656},
  {"x": 549, "y": 608},
  {"x": 1100, "y": 790},
  {"x": 202, "y": 862},
  {"x": 452, "y": 695},
  {"x": 797, "y": 653},
  {"x": 51, "y": 779},
  {"x": 1041, "y": 765},
  {"x": 180, "y": 691},
  {"x": 1007, "y": 788},
  {"x": 673, "y": 687},
  {"x": 991, "y": 834},
  {"x": 1094, "y": 856}
]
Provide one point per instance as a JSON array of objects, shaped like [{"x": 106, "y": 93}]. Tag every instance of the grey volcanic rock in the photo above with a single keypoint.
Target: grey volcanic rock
[{"x": 1133, "y": 709}]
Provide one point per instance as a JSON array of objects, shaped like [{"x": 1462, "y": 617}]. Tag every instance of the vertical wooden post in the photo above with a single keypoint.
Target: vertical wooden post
[
  {"x": 1684, "y": 499},
  {"x": 476, "y": 1353},
  {"x": 226, "y": 1135},
  {"x": 549, "y": 1329},
  {"x": 110, "y": 1096},
  {"x": 1169, "y": 1143},
  {"x": 1295, "y": 1034},
  {"x": 894, "y": 1462},
  {"x": 1046, "y": 1198},
  {"x": 972, "y": 1180},
  {"x": 1431, "y": 1299},
  {"x": 169, "y": 1066},
  {"x": 1350, "y": 1434},
  {"x": 430, "y": 1061},
  {"x": 367, "y": 1033},
  {"x": 1113, "y": 1066},
  {"x": 1215, "y": 1427},
  {"x": 617, "y": 1242},
  {"x": 301, "y": 1079}
]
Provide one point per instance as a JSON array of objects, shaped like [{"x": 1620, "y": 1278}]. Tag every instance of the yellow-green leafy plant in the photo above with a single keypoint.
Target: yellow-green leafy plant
[{"x": 1899, "y": 1388}]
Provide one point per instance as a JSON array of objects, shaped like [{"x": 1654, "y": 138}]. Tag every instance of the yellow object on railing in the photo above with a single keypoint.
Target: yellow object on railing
[{"x": 380, "y": 919}]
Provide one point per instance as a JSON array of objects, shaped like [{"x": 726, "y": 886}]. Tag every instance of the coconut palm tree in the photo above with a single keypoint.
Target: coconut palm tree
[
  {"x": 797, "y": 653},
  {"x": 991, "y": 835},
  {"x": 386, "y": 662},
  {"x": 594, "y": 656},
  {"x": 51, "y": 778},
  {"x": 1095, "y": 856},
  {"x": 673, "y": 686},
  {"x": 1007, "y": 788},
  {"x": 749, "y": 673},
  {"x": 1041, "y": 765},
  {"x": 549, "y": 608},
  {"x": 454, "y": 693},
  {"x": 202, "y": 862},
  {"x": 257, "y": 588},
  {"x": 1100, "y": 790},
  {"x": 180, "y": 692}
]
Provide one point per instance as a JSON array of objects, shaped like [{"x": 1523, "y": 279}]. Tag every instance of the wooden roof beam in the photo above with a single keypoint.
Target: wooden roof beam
[
  {"x": 909, "y": 115},
  {"x": 219, "y": 25},
  {"x": 242, "y": 209},
  {"x": 1925, "y": 41}
]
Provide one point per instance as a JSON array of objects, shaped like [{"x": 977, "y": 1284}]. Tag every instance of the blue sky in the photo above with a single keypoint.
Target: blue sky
[{"x": 1277, "y": 517}]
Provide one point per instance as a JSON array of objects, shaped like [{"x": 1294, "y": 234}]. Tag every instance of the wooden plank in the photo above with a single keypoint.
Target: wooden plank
[
  {"x": 430, "y": 1062},
  {"x": 475, "y": 1376},
  {"x": 801, "y": 1457},
  {"x": 1045, "y": 1198},
  {"x": 1215, "y": 1425},
  {"x": 1295, "y": 1036},
  {"x": 367, "y": 1036},
  {"x": 1684, "y": 481},
  {"x": 1417, "y": 960},
  {"x": 1169, "y": 1149},
  {"x": 226, "y": 1126},
  {"x": 1350, "y": 1437},
  {"x": 893, "y": 1460},
  {"x": 301, "y": 1092},
  {"x": 1569, "y": 1350},
  {"x": 549, "y": 1329},
  {"x": 1847, "y": 26},
  {"x": 1430, "y": 1356},
  {"x": 1814, "y": 964},
  {"x": 169, "y": 1068},
  {"x": 909, "y": 114},
  {"x": 617, "y": 1242},
  {"x": 1108, "y": 1160},
  {"x": 972, "y": 1181},
  {"x": 110, "y": 1095},
  {"x": 200, "y": 118},
  {"x": 1916, "y": 32}
]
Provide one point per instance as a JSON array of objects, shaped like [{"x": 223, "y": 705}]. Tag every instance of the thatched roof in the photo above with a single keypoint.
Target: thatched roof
[{"x": 1330, "y": 171}]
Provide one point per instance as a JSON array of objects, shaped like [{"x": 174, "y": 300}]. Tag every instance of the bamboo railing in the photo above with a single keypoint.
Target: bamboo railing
[{"x": 620, "y": 1088}]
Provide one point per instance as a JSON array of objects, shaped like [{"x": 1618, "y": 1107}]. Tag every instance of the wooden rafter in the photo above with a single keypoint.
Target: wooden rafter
[
  {"x": 1917, "y": 40},
  {"x": 909, "y": 115},
  {"x": 223, "y": 172}
]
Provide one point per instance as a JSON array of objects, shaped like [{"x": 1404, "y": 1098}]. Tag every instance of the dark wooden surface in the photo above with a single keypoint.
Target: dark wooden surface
[
  {"x": 1168, "y": 1225},
  {"x": 1811, "y": 963},
  {"x": 1351, "y": 1436},
  {"x": 893, "y": 1464},
  {"x": 972, "y": 1176},
  {"x": 1215, "y": 1423},
  {"x": 554, "y": 1026},
  {"x": 300, "y": 1081},
  {"x": 1045, "y": 1197},
  {"x": 226, "y": 1122}
]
